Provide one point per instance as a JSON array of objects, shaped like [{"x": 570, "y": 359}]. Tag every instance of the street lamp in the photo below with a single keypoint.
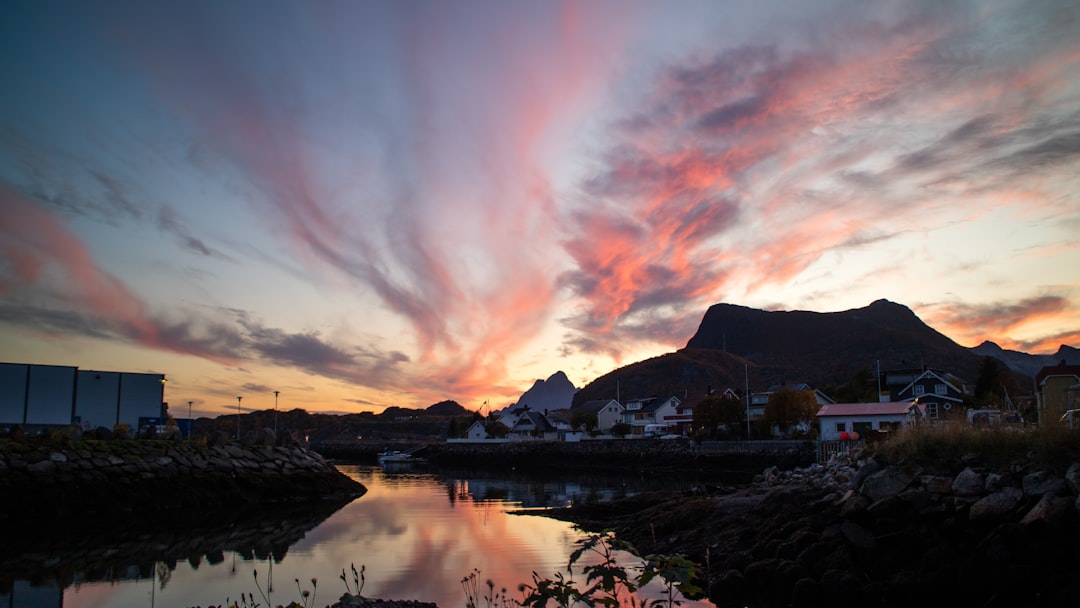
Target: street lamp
[
  {"x": 275, "y": 412},
  {"x": 238, "y": 398},
  {"x": 191, "y": 423}
]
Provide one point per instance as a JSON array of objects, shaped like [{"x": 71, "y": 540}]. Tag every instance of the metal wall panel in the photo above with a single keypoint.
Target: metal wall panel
[
  {"x": 141, "y": 396},
  {"x": 97, "y": 398},
  {"x": 13, "y": 392},
  {"x": 51, "y": 395}
]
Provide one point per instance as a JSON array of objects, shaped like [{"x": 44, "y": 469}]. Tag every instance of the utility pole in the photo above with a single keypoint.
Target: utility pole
[
  {"x": 275, "y": 412},
  {"x": 238, "y": 398},
  {"x": 746, "y": 389},
  {"x": 191, "y": 423}
]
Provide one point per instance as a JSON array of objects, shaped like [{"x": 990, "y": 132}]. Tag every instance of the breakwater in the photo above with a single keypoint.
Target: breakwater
[
  {"x": 631, "y": 456},
  {"x": 130, "y": 478}
]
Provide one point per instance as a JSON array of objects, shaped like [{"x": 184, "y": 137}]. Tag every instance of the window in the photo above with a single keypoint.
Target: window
[
  {"x": 862, "y": 427},
  {"x": 940, "y": 389},
  {"x": 841, "y": 427},
  {"x": 919, "y": 390},
  {"x": 932, "y": 410}
]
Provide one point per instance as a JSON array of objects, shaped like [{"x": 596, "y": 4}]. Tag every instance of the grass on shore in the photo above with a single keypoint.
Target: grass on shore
[{"x": 952, "y": 447}]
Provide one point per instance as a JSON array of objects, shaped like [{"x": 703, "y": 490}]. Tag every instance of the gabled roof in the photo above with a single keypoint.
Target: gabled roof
[
  {"x": 533, "y": 419},
  {"x": 884, "y": 408},
  {"x": 930, "y": 374},
  {"x": 657, "y": 402},
  {"x": 594, "y": 407},
  {"x": 1057, "y": 370}
]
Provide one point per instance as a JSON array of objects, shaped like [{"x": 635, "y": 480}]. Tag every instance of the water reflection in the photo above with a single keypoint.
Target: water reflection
[{"x": 418, "y": 534}]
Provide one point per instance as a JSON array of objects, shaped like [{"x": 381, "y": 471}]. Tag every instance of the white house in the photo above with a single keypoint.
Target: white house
[
  {"x": 836, "y": 418},
  {"x": 608, "y": 412},
  {"x": 651, "y": 410},
  {"x": 478, "y": 430}
]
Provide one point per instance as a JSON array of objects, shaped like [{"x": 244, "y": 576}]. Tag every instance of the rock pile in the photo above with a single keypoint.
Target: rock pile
[
  {"x": 874, "y": 533},
  {"x": 87, "y": 477},
  {"x": 869, "y": 533}
]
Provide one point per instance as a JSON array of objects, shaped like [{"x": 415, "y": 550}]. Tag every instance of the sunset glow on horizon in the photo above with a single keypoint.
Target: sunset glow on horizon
[{"x": 373, "y": 204}]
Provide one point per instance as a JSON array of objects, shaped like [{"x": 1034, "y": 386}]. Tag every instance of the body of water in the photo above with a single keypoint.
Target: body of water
[{"x": 416, "y": 533}]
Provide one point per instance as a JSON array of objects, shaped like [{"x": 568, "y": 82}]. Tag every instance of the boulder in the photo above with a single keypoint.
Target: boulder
[
  {"x": 1042, "y": 482},
  {"x": 886, "y": 483},
  {"x": 937, "y": 484},
  {"x": 858, "y": 536},
  {"x": 998, "y": 506},
  {"x": 1050, "y": 510},
  {"x": 869, "y": 468},
  {"x": 969, "y": 483},
  {"x": 1072, "y": 478}
]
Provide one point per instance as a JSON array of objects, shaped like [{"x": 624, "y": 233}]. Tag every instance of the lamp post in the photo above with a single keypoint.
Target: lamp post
[
  {"x": 191, "y": 423},
  {"x": 238, "y": 398},
  {"x": 275, "y": 412}
]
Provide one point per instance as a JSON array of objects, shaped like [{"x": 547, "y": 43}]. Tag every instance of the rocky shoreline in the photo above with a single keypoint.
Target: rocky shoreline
[
  {"x": 129, "y": 478},
  {"x": 869, "y": 533}
]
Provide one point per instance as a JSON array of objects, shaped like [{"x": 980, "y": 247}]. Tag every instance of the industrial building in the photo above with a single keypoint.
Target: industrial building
[{"x": 33, "y": 396}]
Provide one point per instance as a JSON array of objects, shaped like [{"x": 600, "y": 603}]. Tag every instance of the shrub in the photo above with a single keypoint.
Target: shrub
[
  {"x": 607, "y": 582},
  {"x": 1052, "y": 447}
]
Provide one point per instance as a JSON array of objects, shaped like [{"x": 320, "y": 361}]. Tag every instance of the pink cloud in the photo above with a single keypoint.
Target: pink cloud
[
  {"x": 779, "y": 139},
  {"x": 38, "y": 244},
  {"x": 450, "y": 221}
]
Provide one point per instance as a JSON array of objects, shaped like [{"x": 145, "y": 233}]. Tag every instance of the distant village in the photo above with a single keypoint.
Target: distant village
[
  {"x": 907, "y": 398},
  {"x": 37, "y": 397}
]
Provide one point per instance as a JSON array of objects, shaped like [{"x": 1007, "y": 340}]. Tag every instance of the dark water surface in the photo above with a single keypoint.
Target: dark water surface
[{"x": 418, "y": 534}]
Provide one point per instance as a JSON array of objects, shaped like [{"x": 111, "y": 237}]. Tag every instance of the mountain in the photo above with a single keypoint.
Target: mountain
[
  {"x": 688, "y": 374},
  {"x": 447, "y": 408},
  {"x": 828, "y": 348},
  {"x": 736, "y": 346},
  {"x": 1026, "y": 364},
  {"x": 555, "y": 393}
]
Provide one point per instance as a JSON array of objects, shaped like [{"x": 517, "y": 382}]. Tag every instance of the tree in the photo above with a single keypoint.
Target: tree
[
  {"x": 621, "y": 429},
  {"x": 497, "y": 430},
  {"x": 994, "y": 383},
  {"x": 584, "y": 420},
  {"x": 714, "y": 416},
  {"x": 787, "y": 408},
  {"x": 862, "y": 388}
]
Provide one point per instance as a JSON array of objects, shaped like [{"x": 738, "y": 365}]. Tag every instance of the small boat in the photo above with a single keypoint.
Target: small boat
[{"x": 398, "y": 457}]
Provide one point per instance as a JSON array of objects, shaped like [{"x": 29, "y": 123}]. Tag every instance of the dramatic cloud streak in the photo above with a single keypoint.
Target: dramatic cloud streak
[{"x": 742, "y": 171}]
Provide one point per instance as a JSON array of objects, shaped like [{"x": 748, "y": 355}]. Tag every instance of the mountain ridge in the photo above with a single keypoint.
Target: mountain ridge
[{"x": 741, "y": 347}]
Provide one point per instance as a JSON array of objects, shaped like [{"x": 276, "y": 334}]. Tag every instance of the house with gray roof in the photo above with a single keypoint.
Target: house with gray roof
[
  {"x": 640, "y": 413},
  {"x": 608, "y": 412}
]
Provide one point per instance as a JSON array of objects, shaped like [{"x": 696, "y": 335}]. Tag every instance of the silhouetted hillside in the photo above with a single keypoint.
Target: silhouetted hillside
[
  {"x": 735, "y": 346},
  {"x": 447, "y": 408},
  {"x": 686, "y": 372},
  {"x": 1022, "y": 362},
  {"x": 829, "y": 348}
]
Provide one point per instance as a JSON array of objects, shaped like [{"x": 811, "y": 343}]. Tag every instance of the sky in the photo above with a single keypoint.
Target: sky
[{"x": 372, "y": 204}]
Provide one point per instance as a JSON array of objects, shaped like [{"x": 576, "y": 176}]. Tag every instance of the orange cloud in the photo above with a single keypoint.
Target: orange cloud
[{"x": 971, "y": 324}]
